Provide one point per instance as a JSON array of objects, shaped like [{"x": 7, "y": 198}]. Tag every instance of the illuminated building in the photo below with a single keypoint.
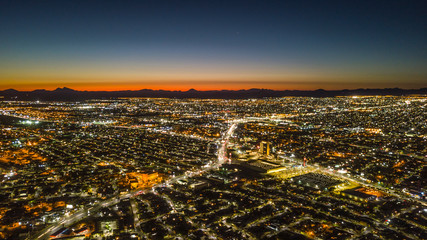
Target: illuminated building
[{"x": 264, "y": 148}]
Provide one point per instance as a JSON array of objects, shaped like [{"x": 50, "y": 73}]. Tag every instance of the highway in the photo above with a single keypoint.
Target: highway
[{"x": 223, "y": 150}]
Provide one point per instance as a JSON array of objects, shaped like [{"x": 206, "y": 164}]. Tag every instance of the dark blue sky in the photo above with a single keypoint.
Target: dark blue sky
[{"x": 213, "y": 44}]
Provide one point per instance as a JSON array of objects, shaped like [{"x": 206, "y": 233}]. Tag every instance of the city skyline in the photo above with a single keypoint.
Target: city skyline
[{"x": 204, "y": 45}]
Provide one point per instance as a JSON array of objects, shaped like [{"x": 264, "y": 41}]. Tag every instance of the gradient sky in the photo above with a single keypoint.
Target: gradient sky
[{"x": 177, "y": 45}]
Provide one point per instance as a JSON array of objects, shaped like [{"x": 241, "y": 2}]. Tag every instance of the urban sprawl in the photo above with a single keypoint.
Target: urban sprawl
[{"x": 273, "y": 168}]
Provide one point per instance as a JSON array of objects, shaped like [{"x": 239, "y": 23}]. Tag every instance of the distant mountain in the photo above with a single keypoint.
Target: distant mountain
[
  {"x": 68, "y": 94},
  {"x": 65, "y": 90}
]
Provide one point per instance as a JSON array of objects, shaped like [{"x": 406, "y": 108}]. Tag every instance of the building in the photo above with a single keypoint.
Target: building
[
  {"x": 316, "y": 181},
  {"x": 262, "y": 166},
  {"x": 264, "y": 148},
  {"x": 358, "y": 194}
]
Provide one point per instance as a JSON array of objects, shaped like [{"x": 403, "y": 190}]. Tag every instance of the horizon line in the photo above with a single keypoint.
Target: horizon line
[{"x": 193, "y": 89}]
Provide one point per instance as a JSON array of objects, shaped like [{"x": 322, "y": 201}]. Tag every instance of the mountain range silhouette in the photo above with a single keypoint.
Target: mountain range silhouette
[{"x": 68, "y": 94}]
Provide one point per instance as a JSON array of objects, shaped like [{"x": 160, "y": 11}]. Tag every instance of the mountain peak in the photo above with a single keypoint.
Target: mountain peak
[
  {"x": 64, "y": 89},
  {"x": 10, "y": 90}
]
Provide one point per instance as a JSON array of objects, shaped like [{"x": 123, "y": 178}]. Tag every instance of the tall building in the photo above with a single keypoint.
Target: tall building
[{"x": 264, "y": 148}]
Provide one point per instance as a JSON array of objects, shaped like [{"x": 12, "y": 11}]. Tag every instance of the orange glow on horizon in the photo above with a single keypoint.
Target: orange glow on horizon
[
  {"x": 177, "y": 87},
  {"x": 161, "y": 85},
  {"x": 136, "y": 88},
  {"x": 203, "y": 84},
  {"x": 87, "y": 76}
]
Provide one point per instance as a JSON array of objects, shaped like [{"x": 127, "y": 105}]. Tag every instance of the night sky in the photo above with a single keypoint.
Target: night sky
[{"x": 206, "y": 45}]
